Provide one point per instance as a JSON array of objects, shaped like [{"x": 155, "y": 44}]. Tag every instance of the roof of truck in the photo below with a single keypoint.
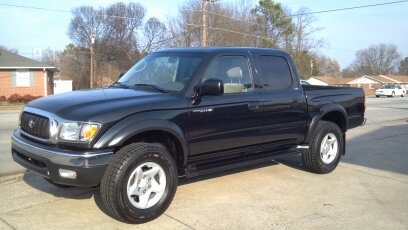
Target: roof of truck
[{"x": 219, "y": 49}]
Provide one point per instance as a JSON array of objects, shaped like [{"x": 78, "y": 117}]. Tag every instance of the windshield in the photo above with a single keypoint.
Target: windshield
[
  {"x": 164, "y": 71},
  {"x": 388, "y": 87}
]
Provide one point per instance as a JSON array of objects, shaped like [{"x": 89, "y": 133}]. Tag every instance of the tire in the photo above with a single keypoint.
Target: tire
[
  {"x": 325, "y": 148},
  {"x": 377, "y": 95},
  {"x": 148, "y": 172},
  {"x": 403, "y": 94},
  {"x": 393, "y": 94}
]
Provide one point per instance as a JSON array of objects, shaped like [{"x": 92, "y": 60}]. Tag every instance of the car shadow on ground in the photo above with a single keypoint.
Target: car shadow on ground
[{"x": 383, "y": 149}]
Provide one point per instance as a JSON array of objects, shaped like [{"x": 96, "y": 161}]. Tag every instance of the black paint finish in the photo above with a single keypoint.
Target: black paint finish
[{"x": 211, "y": 129}]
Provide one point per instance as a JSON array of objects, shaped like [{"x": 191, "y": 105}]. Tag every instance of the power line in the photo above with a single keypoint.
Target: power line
[
  {"x": 349, "y": 8},
  {"x": 306, "y": 13},
  {"x": 215, "y": 13},
  {"x": 68, "y": 11}
]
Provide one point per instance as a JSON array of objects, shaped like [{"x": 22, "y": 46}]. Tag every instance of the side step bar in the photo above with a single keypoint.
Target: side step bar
[{"x": 202, "y": 169}]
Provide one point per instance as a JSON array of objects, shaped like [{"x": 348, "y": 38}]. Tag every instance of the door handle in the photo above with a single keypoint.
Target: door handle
[
  {"x": 294, "y": 100},
  {"x": 253, "y": 106}
]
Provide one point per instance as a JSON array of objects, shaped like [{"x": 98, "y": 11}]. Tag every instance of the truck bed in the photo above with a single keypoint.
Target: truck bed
[{"x": 352, "y": 99}]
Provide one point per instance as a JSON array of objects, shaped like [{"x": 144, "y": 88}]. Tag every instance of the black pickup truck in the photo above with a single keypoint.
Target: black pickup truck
[{"x": 183, "y": 112}]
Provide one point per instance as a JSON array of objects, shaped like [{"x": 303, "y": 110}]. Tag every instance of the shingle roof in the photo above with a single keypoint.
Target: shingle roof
[
  {"x": 398, "y": 78},
  {"x": 10, "y": 60},
  {"x": 334, "y": 80}
]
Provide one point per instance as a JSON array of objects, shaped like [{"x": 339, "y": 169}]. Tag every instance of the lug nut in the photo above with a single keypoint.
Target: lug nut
[
  {"x": 149, "y": 186},
  {"x": 144, "y": 191}
]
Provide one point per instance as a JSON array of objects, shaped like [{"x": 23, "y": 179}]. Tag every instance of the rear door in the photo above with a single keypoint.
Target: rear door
[
  {"x": 283, "y": 102},
  {"x": 232, "y": 120}
]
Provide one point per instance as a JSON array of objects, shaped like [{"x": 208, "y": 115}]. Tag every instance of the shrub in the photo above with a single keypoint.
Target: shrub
[
  {"x": 3, "y": 99},
  {"x": 14, "y": 98}
]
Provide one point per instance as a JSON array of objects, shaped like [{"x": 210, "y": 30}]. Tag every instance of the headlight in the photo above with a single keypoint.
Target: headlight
[{"x": 77, "y": 131}]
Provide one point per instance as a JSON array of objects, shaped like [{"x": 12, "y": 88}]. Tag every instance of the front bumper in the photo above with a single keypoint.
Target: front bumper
[{"x": 45, "y": 160}]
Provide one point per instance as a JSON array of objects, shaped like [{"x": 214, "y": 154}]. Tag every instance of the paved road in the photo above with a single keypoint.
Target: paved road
[
  {"x": 8, "y": 122},
  {"x": 386, "y": 109},
  {"x": 369, "y": 190}
]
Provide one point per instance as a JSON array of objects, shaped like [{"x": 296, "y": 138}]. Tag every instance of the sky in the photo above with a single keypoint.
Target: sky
[{"x": 344, "y": 32}]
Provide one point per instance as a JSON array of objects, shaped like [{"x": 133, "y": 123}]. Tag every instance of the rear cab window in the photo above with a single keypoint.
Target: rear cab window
[{"x": 275, "y": 72}]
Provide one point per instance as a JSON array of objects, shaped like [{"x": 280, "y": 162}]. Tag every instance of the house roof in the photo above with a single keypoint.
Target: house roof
[
  {"x": 10, "y": 60},
  {"x": 397, "y": 78},
  {"x": 334, "y": 80}
]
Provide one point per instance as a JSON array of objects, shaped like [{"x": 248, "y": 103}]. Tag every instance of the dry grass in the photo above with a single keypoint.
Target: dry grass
[{"x": 11, "y": 106}]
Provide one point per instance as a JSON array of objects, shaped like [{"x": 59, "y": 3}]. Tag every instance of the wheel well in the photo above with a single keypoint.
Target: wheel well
[
  {"x": 167, "y": 139},
  {"x": 337, "y": 118}
]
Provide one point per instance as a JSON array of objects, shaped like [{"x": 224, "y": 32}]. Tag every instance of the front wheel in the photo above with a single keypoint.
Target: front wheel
[
  {"x": 325, "y": 148},
  {"x": 403, "y": 94},
  {"x": 139, "y": 183},
  {"x": 392, "y": 94}
]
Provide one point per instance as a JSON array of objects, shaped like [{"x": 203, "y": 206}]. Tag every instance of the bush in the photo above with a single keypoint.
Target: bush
[
  {"x": 3, "y": 99},
  {"x": 27, "y": 98},
  {"x": 14, "y": 98}
]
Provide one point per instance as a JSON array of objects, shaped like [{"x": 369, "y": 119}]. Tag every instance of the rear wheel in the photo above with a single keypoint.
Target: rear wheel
[
  {"x": 377, "y": 95},
  {"x": 139, "y": 183},
  {"x": 403, "y": 94},
  {"x": 393, "y": 94},
  {"x": 325, "y": 148}
]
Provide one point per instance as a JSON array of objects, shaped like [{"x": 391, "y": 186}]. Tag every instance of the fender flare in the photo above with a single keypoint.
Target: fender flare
[
  {"x": 124, "y": 130},
  {"x": 325, "y": 109}
]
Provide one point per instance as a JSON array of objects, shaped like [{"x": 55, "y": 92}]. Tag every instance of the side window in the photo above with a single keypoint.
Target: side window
[
  {"x": 233, "y": 71},
  {"x": 275, "y": 72}
]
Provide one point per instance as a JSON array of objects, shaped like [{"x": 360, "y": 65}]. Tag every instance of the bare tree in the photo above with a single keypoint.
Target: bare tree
[
  {"x": 377, "y": 59},
  {"x": 403, "y": 68},
  {"x": 51, "y": 57},
  {"x": 156, "y": 35},
  {"x": 327, "y": 66},
  {"x": 9, "y": 49}
]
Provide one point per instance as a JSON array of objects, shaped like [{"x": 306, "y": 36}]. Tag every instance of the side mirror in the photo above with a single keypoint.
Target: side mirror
[
  {"x": 121, "y": 74},
  {"x": 212, "y": 87}
]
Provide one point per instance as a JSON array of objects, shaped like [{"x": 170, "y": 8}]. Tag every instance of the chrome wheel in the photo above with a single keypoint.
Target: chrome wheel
[
  {"x": 146, "y": 185},
  {"x": 329, "y": 148}
]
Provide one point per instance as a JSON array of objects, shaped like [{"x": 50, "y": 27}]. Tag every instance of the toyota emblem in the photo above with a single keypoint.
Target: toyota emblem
[{"x": 31, "y": 124}]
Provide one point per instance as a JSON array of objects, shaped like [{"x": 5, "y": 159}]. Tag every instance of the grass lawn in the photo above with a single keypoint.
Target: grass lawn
[{"x": 11, "y": 106}]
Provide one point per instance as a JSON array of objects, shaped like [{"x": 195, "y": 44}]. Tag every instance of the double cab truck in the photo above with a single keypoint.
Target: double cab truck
[{"x": 183, "y": 112}]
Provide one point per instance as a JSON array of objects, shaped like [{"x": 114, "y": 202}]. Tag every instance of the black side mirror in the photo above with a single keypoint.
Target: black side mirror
[
  {"x": 212, "y": 87},
  {"x": 121, "y": 74}
]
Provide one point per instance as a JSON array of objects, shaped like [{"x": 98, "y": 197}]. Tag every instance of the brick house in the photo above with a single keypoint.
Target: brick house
[
  {"x": 24, "y": 76},
  {"x": 371, "y": 83}
]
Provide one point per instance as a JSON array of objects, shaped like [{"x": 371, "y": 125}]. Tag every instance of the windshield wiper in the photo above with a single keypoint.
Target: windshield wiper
[
  {"x": 152, "y": 87},
  {"x": 120, "y": 84}
]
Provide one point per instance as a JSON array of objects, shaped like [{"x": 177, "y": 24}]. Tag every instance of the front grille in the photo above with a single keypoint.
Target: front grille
[{"x": 35, "y": 125}]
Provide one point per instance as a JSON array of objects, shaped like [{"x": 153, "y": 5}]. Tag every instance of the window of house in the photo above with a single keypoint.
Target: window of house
[
  {"x": 23, "y": 78},
  {"x": 233, "y": 71},
  {"x": 276, "y": 74},
  {"x": 371, "y": 86}
]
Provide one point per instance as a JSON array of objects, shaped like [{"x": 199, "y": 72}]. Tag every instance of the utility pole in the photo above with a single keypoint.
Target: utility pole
[
  {"x": 204, "y": 32},
  {"x": 92, "y": 37},
  {"x": 204, "y": 26},
  {"x": 311, "y": 67}
]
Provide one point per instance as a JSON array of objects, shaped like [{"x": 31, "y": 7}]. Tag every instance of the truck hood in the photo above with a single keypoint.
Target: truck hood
[{"x": 102, "y": 104}]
